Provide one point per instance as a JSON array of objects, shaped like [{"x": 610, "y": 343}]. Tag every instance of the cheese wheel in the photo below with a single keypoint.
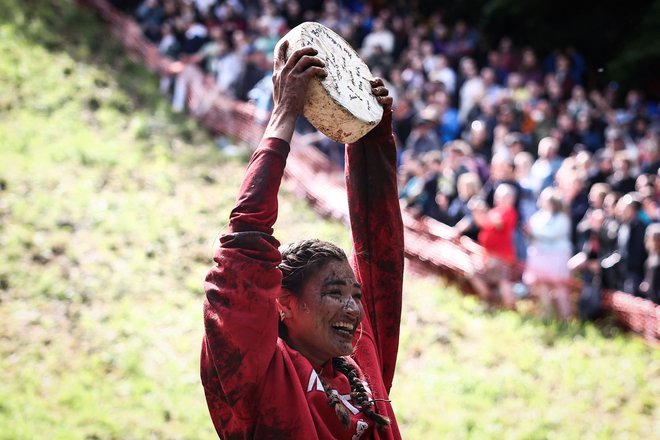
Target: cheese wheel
[{"x": 341, "y": 105}]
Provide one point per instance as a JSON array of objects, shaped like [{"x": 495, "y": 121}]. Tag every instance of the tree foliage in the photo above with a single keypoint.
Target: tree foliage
[{"x": 619, "y": 39}]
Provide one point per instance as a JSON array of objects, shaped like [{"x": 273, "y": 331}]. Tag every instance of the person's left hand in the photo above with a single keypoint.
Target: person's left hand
[{"x": 381, "y": 93}]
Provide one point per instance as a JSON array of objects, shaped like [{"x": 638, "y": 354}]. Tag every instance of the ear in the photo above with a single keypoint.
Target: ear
[{"x": 285, "y": 303}]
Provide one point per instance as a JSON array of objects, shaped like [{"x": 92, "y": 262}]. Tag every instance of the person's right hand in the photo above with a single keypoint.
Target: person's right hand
[{"x": 291, "y": 77}]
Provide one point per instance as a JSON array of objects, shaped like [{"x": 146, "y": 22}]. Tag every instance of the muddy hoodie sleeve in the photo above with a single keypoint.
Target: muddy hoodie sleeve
[
  {"x": 377, "y": 232},
  {"x": 240, "y": 313}
]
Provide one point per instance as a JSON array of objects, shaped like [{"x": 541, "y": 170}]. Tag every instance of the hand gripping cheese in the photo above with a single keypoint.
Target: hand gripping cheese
[{"x": 341, "y": 105}]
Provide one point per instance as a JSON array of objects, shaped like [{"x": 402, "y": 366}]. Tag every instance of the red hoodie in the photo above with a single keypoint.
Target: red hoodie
[{"x": 257, "y": 386}]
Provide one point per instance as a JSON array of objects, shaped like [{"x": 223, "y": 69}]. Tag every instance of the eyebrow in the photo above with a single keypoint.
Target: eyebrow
[{"x": 340, "y": 282}]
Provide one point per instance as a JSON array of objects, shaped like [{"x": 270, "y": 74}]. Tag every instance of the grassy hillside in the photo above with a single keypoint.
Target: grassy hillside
[{"x": 109, "y": 206}]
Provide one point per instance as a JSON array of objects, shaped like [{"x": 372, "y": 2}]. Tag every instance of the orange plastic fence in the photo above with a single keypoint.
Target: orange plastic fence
[{"x": 313, "y": 177}]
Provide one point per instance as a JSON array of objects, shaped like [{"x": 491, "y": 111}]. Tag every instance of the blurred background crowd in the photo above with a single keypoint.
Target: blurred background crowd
[{"x": 515, "y": 149}]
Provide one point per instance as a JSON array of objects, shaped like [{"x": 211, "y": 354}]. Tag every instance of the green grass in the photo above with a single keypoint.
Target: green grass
[
  {"x": 467, "y": 372},
  {"x": 109, "y": 208}
]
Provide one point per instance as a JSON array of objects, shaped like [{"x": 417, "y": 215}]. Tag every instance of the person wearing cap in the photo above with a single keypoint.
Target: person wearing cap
[{"x": 299, "y": 343}]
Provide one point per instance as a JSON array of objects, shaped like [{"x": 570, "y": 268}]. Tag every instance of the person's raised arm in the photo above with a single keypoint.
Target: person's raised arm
[
  {"x": 239, "y": 312},
  {"x": 290, "y": 79},
  {"x": 377, "y": 231}
]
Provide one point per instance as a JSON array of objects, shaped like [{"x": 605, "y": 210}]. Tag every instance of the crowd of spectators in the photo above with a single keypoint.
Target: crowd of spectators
[{"x": 510, "y": 147}]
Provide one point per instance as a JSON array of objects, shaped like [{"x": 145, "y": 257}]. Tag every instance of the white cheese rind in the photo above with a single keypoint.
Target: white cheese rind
[{"x": 341, "y": 105}]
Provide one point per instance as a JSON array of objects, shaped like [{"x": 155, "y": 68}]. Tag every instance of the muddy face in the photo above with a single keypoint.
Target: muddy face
[{"x": 326, "y": 314}]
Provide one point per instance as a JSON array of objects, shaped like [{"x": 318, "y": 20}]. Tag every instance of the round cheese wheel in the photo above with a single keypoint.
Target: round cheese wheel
[{"x": 341, "y": 105}]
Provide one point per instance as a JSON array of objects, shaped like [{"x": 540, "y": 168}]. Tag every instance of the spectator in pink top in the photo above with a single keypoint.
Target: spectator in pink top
[{"x": 550, "y": 248}]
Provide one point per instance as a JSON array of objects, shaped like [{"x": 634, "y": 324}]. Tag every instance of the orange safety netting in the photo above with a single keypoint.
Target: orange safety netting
[{"x": 313, "y": 177}]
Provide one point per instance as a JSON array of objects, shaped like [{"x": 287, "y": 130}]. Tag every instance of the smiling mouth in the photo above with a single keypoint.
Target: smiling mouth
[{"x": 344, "y": 328}]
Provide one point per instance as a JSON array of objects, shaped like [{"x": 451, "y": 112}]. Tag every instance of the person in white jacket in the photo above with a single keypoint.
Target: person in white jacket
[{"x": 546, "y": 272}]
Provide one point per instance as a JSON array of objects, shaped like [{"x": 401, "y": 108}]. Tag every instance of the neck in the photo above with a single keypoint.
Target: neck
[{"x": 317, "y": 362}]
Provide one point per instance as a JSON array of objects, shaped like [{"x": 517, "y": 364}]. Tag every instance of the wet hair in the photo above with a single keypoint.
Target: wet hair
[
  {"x": 299, "y": 261},
  {"x": 302, "y": 258}
]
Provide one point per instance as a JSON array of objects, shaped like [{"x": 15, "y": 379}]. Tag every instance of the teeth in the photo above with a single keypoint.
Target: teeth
[{"x": 343, "y": 325}]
